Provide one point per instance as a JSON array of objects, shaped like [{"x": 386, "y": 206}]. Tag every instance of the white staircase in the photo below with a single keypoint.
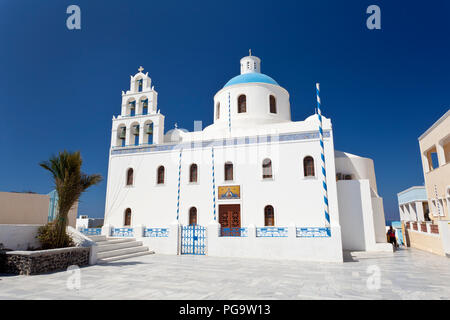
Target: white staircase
[{"x": 112, "y": 249}]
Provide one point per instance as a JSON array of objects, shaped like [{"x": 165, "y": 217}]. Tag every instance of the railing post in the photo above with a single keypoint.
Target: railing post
[
  {"x": 251, "y": 230},
  {"x": 292, "y": 231},
  {"x": 106, "y": 230},
  {"x": 175, "y": 238},
  {"x": 213, "y": 234},
  {"x": 138, "y": 231}
]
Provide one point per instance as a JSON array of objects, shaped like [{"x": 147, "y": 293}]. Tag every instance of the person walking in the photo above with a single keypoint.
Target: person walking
[{"x": 391, "y": 237}]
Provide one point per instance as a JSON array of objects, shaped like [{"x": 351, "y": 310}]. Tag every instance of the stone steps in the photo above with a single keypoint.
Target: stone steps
[
  {"x": 137, "y": 254},
  {"x": 120, "y": 245},
  {"x": 115, "y": 248},
  {"x": 114, "y": 241},
  {"x": 97, "y": 238},
  {"x": 121, "y": 252}
]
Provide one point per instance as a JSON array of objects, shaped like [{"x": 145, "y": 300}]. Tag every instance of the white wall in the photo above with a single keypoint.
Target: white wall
[
  {"x": 327, "y": 249},
  {"x": 19, "y": 236},
  {"x": 444, "y": 233},
  {"x": 352, "y": 203},
  {"x": 379, "y": 220},
  {"x": 361, "y": 227},
  {"x": 296, "y": 199}
]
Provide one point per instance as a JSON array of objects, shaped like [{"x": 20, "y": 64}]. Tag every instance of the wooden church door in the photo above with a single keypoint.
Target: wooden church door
[{"x": 230, "y": 219}]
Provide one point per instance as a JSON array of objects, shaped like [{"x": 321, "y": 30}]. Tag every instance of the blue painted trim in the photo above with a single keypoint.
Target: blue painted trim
[
  {"x": 122, "y": 232},
  {"x": 312, "y": 232},
  {"x": 275, "y": 232},
  {"x": 156, "y": 232},
  {"x": 234, "y": 232},
  {"x": 219, "y": 143},
  {"x": 91, "y": 231}
]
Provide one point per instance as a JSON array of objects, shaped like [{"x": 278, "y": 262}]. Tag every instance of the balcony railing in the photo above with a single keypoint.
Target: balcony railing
[
  {"x": 133, "y": 115},
  {"x": 133, "y": 145},
  {"x": 91, "y": 231},
  {"x": 279, "y": 232},
  {"x": 233, "y": 232},
  {"x": 313, "y": 232},
  {"x": 122, "y": 232},
  {"x": 156, "y": 232},
  {"x": 425, "y": 227}
]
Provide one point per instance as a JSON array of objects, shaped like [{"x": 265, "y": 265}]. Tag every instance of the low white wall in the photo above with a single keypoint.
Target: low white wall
[
  {"x": 19, "y": 236},
  {"x": 444, "y": 232},
  {"x": 327, "y": 249},
  {"x": 163, "y": 245},
  {"x": 379, "y": 220},
  {"x": 353, "y": 201},
  {"x": 324, "y": 249}
]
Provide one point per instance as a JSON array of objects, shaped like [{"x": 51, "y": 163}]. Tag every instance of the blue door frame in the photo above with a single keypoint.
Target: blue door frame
[{"x": 193, "y": 240}]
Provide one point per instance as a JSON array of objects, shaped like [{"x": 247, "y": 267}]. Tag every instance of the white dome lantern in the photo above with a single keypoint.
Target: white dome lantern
[
  {"x": 251, "y": 98},
  {"x": 250, "y": 64}
]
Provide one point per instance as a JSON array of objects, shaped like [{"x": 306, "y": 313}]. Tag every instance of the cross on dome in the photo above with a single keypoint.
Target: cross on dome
[{"x": 140, "y": 69}]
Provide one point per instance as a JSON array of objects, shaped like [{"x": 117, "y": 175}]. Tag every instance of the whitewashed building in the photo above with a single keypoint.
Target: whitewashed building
[{"x": 248, "y": 185}]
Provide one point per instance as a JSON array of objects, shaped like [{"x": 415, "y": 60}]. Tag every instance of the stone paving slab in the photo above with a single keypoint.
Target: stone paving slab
[{"x": 405, "y": 274}]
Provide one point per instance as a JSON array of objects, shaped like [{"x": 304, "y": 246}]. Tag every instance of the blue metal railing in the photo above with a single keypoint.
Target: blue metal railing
[
  {"x": 233, "y": 232},
  {"x": 132, "y": 145},
  {"x": 279, "y": 232},
  {"x": 134, "y": 115},
  {"x": 313, "y": 232},
  {"x": 91, "y": 231},
  {"x": 122, "y": 232},
  {"x": 156, "y": 232}
]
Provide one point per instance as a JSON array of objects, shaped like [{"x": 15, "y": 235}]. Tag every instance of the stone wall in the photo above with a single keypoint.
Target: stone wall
[
  {"x": 42, "y": 261},
  {"x": 424, "y": 241}
]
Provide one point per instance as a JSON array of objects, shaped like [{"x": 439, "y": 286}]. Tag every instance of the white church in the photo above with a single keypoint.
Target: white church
[{"x": 248, "y": 185}]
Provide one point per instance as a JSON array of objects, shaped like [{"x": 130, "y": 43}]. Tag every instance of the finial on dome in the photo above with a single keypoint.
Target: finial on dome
[
  {"x": 140, "y": 69},
  {"x": 176, "y": 125},
  {"x": 250, "y": 52}
]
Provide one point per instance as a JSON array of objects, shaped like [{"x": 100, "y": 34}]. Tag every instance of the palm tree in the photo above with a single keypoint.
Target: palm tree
[{"x": 70, "y": 183}]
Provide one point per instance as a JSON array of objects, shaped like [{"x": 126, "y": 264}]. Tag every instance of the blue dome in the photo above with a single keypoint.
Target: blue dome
[{"x": 249, "y": 78}]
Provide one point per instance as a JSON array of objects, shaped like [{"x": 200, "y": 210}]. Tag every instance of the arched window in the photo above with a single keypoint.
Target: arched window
[
  {"x": 130, "y": 177},
  {"x": 193, "y": 173},
  {"x": 242, "y": 103},
  {"x": 122, "y": 134},
  {"x": 193, "y": 216},
  {"x": 148, "y": 133},
  {"x": 228, "y": 171},
  {"x": 140, "y": 83},
  {"x": 218, "y": 110},
  {"x": 132, "y": 108},
  {"x": 160, "y": 178},
  {"x": 145, "y": 106},
  {"x": 135, "y": 130},
  {"x": 269, "y": 216},
  {"x": 267, "y": 168},
  {"x": 308, "y": 167},
  {"x": 273, "y": 104},
  {"x": 127, "y": 218}
]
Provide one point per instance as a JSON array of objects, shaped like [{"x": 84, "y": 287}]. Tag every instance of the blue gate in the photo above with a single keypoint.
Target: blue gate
[{"x": 193, "y": 240}]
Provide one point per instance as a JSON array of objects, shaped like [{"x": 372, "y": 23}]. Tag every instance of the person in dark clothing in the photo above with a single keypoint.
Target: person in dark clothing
[{"x": 391, "y": 237}]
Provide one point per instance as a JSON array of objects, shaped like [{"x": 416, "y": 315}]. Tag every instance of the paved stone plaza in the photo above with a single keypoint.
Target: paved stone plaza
[{"x": 406, "y": 274}]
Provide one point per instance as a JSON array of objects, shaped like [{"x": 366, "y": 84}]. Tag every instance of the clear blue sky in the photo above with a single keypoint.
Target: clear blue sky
[{"x": 59, "y": 89}]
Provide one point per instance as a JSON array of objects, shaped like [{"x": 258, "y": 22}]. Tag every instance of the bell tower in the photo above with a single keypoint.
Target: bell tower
[{"x": 140, "y": 122}]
